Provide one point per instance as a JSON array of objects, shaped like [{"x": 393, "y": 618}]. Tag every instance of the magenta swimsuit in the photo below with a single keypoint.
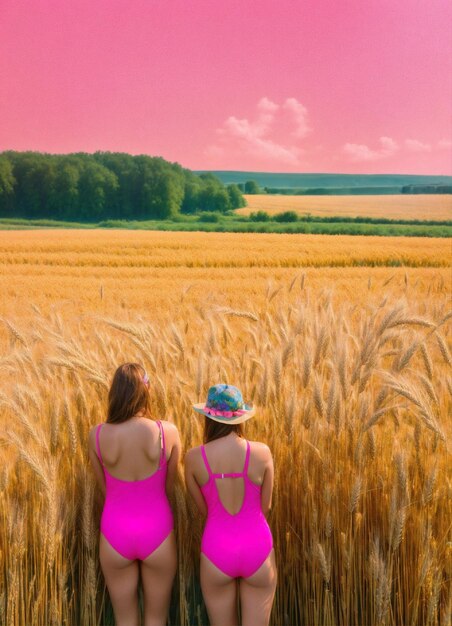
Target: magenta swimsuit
[
  {"x": 237, "y": 544},
  {"x": 137, "y": 516}
]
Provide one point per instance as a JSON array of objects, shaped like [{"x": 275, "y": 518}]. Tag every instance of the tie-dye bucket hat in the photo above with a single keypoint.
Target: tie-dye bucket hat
[{"x": 225, "y": 404}]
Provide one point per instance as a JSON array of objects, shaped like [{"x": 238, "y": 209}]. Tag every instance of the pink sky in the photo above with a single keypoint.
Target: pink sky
[{"x": 354, "y": 86}]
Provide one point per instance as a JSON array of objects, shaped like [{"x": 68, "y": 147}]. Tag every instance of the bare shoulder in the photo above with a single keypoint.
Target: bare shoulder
[
  {"x": 92, "y": 434},
  {"x": 170, "y": 430},
  {"x": 169, "y": 426},
  {"x": 261, "y": 450},
  {"x": 192, "y": 457}
]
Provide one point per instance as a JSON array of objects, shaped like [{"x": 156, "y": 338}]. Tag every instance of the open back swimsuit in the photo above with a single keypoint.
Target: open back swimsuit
[
  {"x": 137, "y": 516},
  {"x": 238, "y": 544}
]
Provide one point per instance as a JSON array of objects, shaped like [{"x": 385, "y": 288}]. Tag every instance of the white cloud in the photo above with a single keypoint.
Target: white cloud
[
  {"x": 254, "y": 137},
  {"x": 389, "y": 146},
  {"x": 444, "y": 144},
  {"x": 265, "y": 104},
  {"x": 300, "y": 113},
  {"x": 250, "y": 137},
  {"x": 414, "y": 145},
  {"x": 361, "y": 152}
]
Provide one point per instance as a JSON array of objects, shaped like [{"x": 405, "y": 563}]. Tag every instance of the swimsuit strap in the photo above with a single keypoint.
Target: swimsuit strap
[
  {"x": 162, "y": 438},
  {"x": 206, "y": 462},
  {"x": 229, "y": 474},
  {"x": 97, "y": 444},
  {"x": 247, "y": 458}
]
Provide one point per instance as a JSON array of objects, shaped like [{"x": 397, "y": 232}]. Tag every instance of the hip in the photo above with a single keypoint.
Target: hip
[
  {"x": 146, "y": 517},
  {"x": 237, "y": 533}
]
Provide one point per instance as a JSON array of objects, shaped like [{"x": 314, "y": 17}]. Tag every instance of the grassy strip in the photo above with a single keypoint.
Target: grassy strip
[
  {"x": 19, "y": 223},
  {"x": 335, "y": 219},
  {"x": 245, "y": 225}
]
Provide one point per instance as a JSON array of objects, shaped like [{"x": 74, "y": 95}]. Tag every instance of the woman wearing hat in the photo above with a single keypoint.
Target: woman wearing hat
[{"x": 231, "y": 481}]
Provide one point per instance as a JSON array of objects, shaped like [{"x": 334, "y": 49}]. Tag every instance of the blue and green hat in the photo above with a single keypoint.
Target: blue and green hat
[{"x": 225, "y": 404}]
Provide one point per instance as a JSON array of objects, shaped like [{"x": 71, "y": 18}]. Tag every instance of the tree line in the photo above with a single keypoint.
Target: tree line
[
  {"x": 106, "y": 185},
  {"x": 427, "y": 189}
]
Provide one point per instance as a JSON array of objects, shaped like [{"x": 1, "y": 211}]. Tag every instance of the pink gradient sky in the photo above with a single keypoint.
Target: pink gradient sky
[{"x": 354, "y": 86}]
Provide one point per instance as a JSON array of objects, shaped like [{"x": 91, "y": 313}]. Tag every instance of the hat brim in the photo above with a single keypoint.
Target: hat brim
[{"x": 249, "y": 412}]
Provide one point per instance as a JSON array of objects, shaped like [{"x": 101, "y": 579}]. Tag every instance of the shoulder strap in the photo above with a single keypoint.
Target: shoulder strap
[
  {"x": 97, "y": 444},
  {"x": 206, "y": 462},
  {"x": 229, "y": 474},
  {"x": 247, "y": 458},
  {"x": 162, "y": 440}
]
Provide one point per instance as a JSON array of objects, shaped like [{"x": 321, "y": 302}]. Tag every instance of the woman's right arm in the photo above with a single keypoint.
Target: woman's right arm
[{"x": 193, "y": 488}]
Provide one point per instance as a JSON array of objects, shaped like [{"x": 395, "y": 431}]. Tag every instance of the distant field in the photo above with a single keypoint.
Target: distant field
[
  {"x": 401, "y": 206},
  {"x": 147, "y": 270}
]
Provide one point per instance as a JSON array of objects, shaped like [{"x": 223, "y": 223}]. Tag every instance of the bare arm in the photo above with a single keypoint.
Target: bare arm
[
  {"x": 267, "y": 484},
  {"x": 191, "y": 484},
  {"x": 95, "y": 462},
  {"x": 174, "y": 443}
]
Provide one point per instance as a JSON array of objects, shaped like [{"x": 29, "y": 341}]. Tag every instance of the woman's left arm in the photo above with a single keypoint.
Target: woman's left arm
[
  {"x": 173, "y": 439},
  {"x": 267, "y": 483}
]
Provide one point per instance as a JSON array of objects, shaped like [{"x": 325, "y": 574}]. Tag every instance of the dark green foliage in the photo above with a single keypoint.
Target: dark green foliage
[
  {"x": 427, "y": 189},
  {"x": 334, "y": 191},
  {"x": 106, "y": 186},
  {"x": 7, "y": 184},
  {"x": 209, "y": 217},
  {"x": 203, "y": 222},
  {"x": 235, "y": 197},
  {"x": 364, "y": 219},
  {"x": 214, "y": 198},
  {"x": 251, "y": 187},
  {"x": 259, "y": 216},
  {"x": 96, "y": 191},
  {"x": 286, "y": 216}
]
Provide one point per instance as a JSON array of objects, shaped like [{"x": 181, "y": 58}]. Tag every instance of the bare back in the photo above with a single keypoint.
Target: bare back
[{"x": 131, "y": 450}]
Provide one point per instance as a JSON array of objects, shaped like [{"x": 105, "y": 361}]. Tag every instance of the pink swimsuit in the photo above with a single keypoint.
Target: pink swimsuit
[
  {"x": 237, "y": 544},
  {"x": 137, "y": 516}
]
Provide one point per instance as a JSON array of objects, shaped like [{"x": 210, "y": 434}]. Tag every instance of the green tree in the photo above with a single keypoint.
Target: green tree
[
  {"x": 97, "y": 186},
  {"x": 105, "y": 185},
  {"x": 235, "y": 196},
  {"x": 7, "y": 183},
  {"x": 35, "y": 175},
  {"x": 193, "y": 187},
  {"x": 65, "y": 199},
  {"x": 162, "y": 189},
  {"x": 126, "y": 169},
  {"x": 214, "y": 198},
  {"x": 251, "y": 187}
]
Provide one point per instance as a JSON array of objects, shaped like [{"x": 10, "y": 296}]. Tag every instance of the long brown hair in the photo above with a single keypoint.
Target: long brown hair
[
  {"x": 215, "y": 430},
  {"x": 128, "y": 393}
]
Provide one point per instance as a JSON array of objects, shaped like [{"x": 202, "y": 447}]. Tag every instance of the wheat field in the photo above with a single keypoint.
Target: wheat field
[
  {"x": 346, "y": 354},
  {"x": 400, "y": 206}
]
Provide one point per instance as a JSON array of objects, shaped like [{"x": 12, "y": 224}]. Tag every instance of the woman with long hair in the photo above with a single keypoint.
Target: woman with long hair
[
  {"x": 231, "y": 481},
  {"x": 135, "y": 461}
]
